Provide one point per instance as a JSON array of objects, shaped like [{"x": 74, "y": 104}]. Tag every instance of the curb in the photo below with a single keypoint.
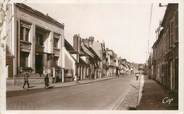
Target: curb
[
  {"x": 121, "y": 98},
  {"x": 141, "y": 85},
  {"x": 129, "y": 94},
  {"x": 61, "y": 86}
]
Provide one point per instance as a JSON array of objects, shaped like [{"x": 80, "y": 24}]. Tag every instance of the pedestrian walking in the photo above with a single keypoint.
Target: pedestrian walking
[
  {"x": 75, "y": 79},
  {"x": 117, "y": 72},
  {"x": 53, "y": 75},
  {"x": 137, "y": 76},
  {"x": 26, "y": 78},
  {"x": 131, "y": 70}
]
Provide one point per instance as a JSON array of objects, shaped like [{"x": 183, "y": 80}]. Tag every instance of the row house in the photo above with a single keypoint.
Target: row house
[
  {"x": 112, "y": 62},
  {"x": 35, "y": 41},
  {"x": 165, "y": 50},
  {"x": 96, "y": 48},
  {"x": 83, "y": 67},
  {"x": 89, "y": 55},
  {"x": 69, "y": 62},
  {"x": 103, "y": 62}
]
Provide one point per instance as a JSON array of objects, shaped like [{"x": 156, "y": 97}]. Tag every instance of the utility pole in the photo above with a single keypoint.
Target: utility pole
[{"x": 151, "y": 12}]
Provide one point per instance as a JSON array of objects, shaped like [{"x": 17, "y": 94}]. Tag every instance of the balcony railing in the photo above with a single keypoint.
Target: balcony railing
[{"x": 25, "y": 46}]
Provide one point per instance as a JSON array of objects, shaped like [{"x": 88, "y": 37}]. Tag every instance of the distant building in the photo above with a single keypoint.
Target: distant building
[
  {"x": 124, "y": 66},
  {"x": 112, "y": 62},
  {"x": 165, "y": 50},
  {"x": 89, "y": 56}
]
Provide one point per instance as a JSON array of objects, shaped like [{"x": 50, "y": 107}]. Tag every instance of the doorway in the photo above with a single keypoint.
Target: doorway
[{"x": 39, "y": 63}]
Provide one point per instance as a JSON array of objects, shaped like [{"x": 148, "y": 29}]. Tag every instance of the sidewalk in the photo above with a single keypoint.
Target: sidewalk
[
  {"x": 153, "y": 96},
  {"x": 132, "y": 99},
  {"x": 55, "y": 85}
]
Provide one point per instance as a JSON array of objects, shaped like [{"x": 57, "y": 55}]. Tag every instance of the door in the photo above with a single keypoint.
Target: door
[{"x": 39, "y": 63}]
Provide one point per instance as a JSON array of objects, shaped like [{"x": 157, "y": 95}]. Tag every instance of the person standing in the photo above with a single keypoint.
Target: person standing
[
  {"x": 137, "y": 76},
  {"x": 26, "y": 79},
  {"x": 46, "y": 78}
]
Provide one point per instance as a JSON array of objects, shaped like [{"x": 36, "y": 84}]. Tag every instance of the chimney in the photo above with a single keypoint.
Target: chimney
[
  {"x": 91, "y": 40},
  {"x": 86, "y": 41},
  {"x": 77, "y": 42}
]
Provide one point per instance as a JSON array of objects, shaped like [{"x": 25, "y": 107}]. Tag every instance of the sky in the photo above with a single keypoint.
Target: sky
[{"x": 124, "y": 27}]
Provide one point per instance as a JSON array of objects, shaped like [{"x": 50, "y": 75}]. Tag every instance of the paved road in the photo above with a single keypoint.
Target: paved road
[{"x": 101, "y": 95}]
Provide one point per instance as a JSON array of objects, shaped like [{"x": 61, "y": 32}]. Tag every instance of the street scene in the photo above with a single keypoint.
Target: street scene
[
  {"x": 74, "y": 97},
  {"x": 91, "y": 56}
]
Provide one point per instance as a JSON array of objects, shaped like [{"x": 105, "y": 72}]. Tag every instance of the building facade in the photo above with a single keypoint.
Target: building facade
[
  {"x": 112, "y": 62},
  {"x": 34, "y": 41},
  {"x": 89, "y": 57},
  {"x": 165, "y": 50},
  {"x": 70, "y": 62}
]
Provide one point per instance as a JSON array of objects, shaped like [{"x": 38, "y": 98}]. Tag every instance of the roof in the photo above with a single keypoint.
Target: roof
[
  {"x": 39, "y": 14},
  {"x": 93, "y": 51},
  {"x": 81, "y": 61},
  {"x": 170, "y": 8},
  {"x": 82, "y": 52},
  {"x": 69, "y": 47},
  {"x": 87, "y": 51},
  {"x": 97, "y": 47}
]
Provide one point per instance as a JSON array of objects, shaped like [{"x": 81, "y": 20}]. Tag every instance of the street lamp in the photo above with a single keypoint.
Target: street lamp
[{"x": 162, "y": 5}]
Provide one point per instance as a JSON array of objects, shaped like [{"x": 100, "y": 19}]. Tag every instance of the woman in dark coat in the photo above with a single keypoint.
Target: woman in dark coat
[{"x": 46, "y": 81}]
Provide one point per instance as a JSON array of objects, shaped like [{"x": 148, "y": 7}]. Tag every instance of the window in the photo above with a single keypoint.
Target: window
[
  {"x": 21, "y": 33},
  {"x": 24, "y": 31},
  {"x": 24, "y": 59},
  {"x": 39, "y": 39},
  {"x": 56, "y": 61},
  {"x": 26, "y": 34},
  {"x": 56, "y": 42}
]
